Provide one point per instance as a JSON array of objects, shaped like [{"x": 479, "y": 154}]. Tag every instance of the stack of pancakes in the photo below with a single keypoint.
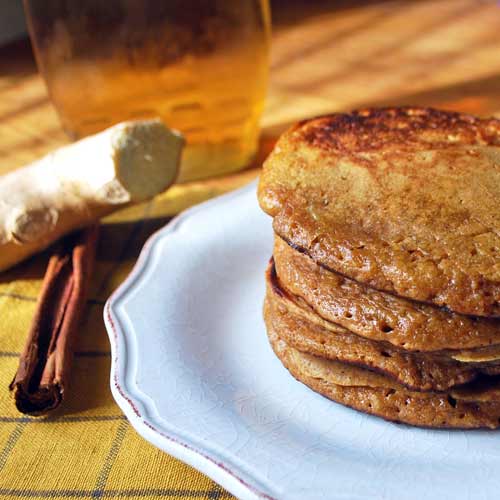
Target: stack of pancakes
[{"x": 383, "y": 292}]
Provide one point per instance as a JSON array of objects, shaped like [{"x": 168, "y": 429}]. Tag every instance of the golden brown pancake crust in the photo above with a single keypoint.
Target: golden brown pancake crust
[
  {"x": 377, "y": 315},
  {"x": 374, "y": 394},
  {"x": 405, "y": 200},
  {"x": 400, "y": 129},
  {"x": 415, "y": 371}
]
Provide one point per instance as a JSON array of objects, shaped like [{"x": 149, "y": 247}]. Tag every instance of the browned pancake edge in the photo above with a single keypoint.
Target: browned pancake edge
[
  {"x": 404, "y": 200},
  {"x": 387, "y": 400}
]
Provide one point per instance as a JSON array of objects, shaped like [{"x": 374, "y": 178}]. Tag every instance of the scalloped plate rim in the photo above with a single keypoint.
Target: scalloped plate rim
[{"x": 139, "y": 412}]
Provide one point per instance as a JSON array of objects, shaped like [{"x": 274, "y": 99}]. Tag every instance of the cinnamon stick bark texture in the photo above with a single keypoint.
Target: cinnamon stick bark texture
[{"x": 42, "y": 376}]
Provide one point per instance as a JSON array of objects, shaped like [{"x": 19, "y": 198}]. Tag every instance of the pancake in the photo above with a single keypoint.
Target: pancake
[
  {"x": 405, "y": 200},
  {"x": 381, "y": 316},
  {"x": 414, "y": 371},
  {"x": 378, "y": 395},
  {"x": 484, "y": 357}
]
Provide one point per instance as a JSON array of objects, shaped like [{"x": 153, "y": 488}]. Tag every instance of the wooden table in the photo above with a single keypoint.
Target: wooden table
[{"x": 326, "y": 56}]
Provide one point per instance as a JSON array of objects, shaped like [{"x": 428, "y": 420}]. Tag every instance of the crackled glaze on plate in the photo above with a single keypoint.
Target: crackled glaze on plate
[{"x": 193, "y": 372}]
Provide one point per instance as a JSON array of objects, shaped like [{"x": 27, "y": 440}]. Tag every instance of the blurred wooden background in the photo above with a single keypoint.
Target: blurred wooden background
[{"x": 326, "y": 56}]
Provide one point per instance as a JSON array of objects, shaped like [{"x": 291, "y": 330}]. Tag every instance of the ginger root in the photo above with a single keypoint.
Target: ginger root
[{"x": 79, "y": 183}]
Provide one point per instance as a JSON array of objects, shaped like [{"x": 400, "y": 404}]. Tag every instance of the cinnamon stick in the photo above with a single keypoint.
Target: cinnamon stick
[{"x": 43, "y": 372}]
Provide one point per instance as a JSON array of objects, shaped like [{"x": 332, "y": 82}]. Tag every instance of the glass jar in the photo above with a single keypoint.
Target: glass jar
[{"x": 201, "y": 65}]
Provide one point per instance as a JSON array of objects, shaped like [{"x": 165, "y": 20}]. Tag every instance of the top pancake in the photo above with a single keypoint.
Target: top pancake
[{"x": 406, "y": 200}]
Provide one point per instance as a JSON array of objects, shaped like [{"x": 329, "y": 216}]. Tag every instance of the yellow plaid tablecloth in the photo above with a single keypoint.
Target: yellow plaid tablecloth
[{"x": 88, "y": 449}]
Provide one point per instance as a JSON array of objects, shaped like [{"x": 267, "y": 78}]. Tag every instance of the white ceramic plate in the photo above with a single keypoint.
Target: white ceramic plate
[{"x": 194, "y": 374}]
